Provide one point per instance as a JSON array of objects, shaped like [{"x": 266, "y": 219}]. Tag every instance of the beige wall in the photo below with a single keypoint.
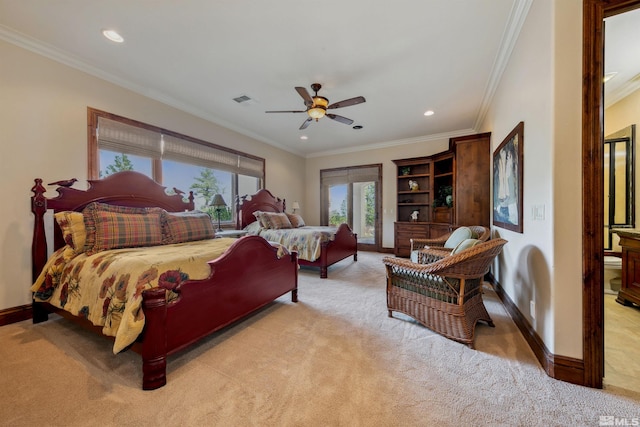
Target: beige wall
[
  {"x": 542, "y": 87},
  {"x": 43, "y": 116}
]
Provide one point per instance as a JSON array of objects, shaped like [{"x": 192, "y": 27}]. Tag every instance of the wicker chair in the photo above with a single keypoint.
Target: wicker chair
[{"x": 445, "y": 295}]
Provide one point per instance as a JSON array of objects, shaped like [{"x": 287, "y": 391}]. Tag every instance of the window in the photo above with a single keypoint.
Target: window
[{"x": 176, "y": 161}]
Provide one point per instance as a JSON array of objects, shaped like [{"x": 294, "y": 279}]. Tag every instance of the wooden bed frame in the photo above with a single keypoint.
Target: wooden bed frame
[
  {"x": 246, "y": 277},
  {"x": 344, "y": 245}
]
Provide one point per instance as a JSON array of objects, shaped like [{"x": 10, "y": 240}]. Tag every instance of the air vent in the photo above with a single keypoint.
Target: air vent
[{"x": 241, "y": 99}]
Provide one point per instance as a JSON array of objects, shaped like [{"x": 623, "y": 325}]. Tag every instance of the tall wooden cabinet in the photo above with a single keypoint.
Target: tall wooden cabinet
[
  {"x": 438, "y": 193},
  {"x": 472, "y": 173}
]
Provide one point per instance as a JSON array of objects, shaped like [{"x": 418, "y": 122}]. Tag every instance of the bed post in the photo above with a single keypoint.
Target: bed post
[
  {"x": 154, "y": 339},
  {"x": 38, "y": 244}
]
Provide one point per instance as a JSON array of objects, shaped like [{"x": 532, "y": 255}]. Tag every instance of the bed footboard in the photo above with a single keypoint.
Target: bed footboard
[
  {"x": 247, "y": 277},
  {"x": 342, "y": 246}
]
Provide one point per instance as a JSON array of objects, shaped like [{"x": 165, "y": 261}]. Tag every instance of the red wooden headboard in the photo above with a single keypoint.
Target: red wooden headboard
[
  {"x": 263, "y": 200},
  {"x": 127, "y": 188}
]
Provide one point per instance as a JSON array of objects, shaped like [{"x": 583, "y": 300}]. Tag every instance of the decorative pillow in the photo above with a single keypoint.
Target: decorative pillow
[
  {"x": 254, "y": 228},
  {"x": 458, "y": 235},
  {"x": 178, "y": 227},
  {"x": 295, "y": 220},
  {"x": 465, "y": 244},
  {"x": 73, "y": 232},
  {"x": 258, "y": 215},
  {"x": 122, "y": 230},
  {"x": 90, "y": 212},
  {"x": 275, "y": 221}
]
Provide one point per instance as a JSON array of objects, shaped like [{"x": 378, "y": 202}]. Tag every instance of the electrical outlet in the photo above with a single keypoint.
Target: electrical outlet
[{"x": 532, "y": 309}]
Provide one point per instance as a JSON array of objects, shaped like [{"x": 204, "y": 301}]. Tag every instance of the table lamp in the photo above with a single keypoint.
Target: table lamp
[{"x": 219, "y": 204}]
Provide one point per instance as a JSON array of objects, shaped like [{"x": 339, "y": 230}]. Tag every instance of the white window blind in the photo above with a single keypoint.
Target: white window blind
[
  {"x": 124, "y": 138},
  {"x": 182, "y": 150},
  {"x": 345, "y": 176}
]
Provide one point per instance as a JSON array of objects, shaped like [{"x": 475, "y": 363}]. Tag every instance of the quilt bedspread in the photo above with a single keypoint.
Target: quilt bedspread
[
  {"x": 307, "y": 241},
  {"x": 106, "y": 288}
]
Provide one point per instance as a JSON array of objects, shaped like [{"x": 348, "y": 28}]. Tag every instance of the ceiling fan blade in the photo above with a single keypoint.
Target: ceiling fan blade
[
  {"x": 347, "y": 102},
  {"x": 306, "y": 123},
  {"x": 340, "y": 119},
  {"x": 287, "y": 111},
  {"x": 308, "y": 101}
]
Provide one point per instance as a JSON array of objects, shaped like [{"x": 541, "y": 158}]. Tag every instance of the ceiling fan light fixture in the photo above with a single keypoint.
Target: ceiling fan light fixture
[{"x": 319, "y": 107}]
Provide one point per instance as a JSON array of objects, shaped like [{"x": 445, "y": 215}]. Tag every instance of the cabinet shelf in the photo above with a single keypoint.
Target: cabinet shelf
[
  {"x": 442, "y": 175},
  {"x": 418, "y": 175},
  {"x": 414, "y": 192}
]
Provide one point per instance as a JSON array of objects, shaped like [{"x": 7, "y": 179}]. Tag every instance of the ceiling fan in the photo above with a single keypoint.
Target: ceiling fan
[{"x": 317, "y": 106}]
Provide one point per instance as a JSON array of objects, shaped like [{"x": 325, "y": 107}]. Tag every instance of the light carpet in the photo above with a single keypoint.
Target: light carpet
[{"x": 333, "y": 359}]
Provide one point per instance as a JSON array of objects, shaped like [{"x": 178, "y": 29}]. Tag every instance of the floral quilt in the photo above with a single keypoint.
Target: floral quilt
[
  {"x": 307, "y": 241},
  {"x": 106, "y": 288}
]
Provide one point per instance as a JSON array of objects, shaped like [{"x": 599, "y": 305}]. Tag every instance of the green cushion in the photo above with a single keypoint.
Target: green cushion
[
  {"x": 465, "y": 244},
  {"x": 458, "y": 235}
]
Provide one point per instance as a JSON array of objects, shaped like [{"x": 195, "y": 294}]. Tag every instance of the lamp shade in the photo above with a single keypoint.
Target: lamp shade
[
  {"x": 218, "y": 201},
  {"x": 295, "y": 205}
]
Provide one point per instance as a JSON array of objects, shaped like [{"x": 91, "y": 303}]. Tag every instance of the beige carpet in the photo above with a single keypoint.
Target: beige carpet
[{"x": 333, "y": 359}]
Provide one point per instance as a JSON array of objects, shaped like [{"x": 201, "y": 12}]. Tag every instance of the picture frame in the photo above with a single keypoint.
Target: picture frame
[{"x": 507, "y": 181}]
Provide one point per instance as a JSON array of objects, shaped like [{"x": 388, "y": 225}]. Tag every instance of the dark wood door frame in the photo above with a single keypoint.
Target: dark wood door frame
[{"x": 594, "y": 11}]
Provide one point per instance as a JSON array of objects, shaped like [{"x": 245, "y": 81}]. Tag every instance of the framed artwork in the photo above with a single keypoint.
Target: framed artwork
[{"x": 507, "y": 181}]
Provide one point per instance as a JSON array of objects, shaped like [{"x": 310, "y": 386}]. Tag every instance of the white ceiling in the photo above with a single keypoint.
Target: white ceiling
[{"x": 404, "y": 57}]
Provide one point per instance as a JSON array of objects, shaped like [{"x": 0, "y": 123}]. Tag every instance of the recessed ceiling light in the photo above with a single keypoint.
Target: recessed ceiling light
[
  {"x": 609, "y": 76},
  {"x": 113, "y": 36},
  {"x": 429, "y": 113},
  {"x": 304, "y": 137}
]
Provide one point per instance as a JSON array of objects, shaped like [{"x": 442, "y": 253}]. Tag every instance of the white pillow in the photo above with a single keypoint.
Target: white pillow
[
  {"x": 458, "y": 235},
  {"x": 465, "y": 244}
]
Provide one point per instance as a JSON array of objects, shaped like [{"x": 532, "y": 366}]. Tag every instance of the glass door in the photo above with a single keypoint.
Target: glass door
[{"x": 351, "y": 196}]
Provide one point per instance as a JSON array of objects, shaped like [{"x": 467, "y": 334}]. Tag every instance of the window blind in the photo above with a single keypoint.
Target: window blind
[
  {"x": 124, "y": 138},
  {"x": 345, "y": 176},
  {"x": 182, "y": 150}
]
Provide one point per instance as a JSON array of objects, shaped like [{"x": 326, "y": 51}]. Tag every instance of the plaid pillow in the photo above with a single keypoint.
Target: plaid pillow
[
  {"x": 178, "y": 227},
  {"x": 296, "y": 220},
  {"x": 90, "y": 211},
  {"x": 122, "y": 230},
  {"x": 275, "y": 221},
  {"x": 73, "y": 232}
]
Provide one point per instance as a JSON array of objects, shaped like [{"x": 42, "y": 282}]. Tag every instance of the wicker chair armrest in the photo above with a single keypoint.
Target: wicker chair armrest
[
  {"x": 421, "y": 243},
  {"x": 429, "y": 255}
]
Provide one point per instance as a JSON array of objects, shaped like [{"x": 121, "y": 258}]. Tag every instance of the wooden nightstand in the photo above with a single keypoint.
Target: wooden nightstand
[{"x": 230, "y": 233}]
